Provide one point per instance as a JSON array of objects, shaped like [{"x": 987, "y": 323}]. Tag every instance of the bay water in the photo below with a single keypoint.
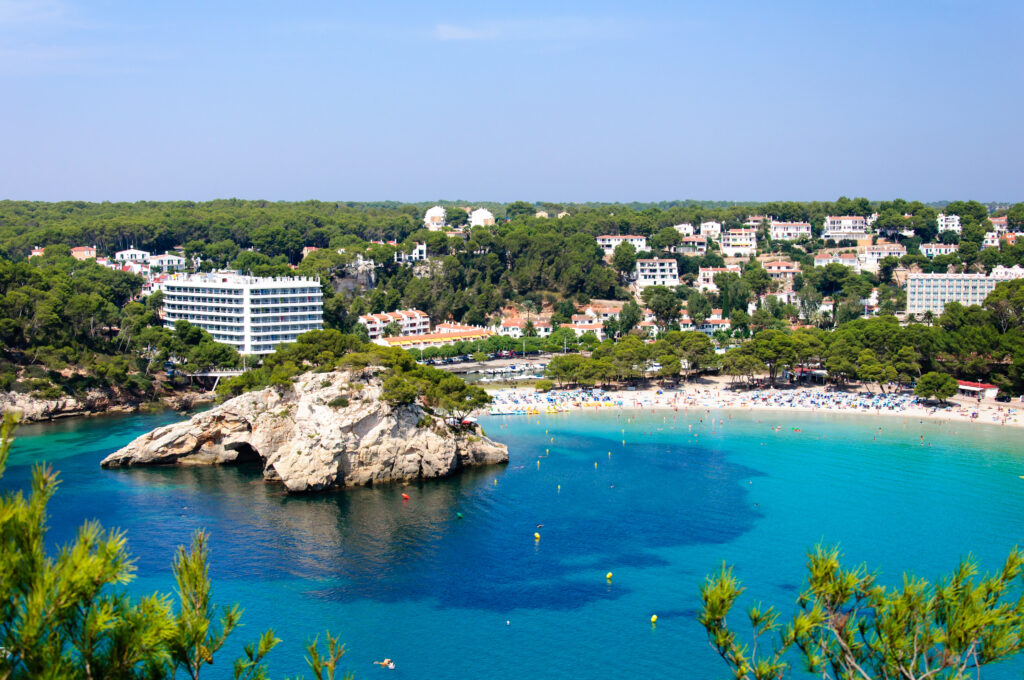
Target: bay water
[{"x": 453, "y": 584}]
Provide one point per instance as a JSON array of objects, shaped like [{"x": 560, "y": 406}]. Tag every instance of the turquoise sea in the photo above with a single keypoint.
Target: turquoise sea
[{"x": 659, "y": 499}]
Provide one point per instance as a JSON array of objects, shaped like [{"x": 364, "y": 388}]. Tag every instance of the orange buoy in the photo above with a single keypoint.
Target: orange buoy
[{"x": 405, "y": 496}]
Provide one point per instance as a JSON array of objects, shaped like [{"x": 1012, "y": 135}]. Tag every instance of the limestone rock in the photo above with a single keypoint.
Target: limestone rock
[{"x": 309, "y": 439}]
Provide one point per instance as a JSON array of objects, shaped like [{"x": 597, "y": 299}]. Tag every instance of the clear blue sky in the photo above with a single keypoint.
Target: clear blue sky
[{"x": 559, "y": 101}]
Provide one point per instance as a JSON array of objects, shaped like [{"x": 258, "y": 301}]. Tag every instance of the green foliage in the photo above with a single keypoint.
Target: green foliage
[
  {"x": 544, "y": 386},
  {"x": 850, "y": 626},
  {"x": 338, "y": 402},
  {"x": 942, "y": 386}
]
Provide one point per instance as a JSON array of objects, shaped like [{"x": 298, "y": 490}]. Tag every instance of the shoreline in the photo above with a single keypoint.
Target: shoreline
[
  {"x": 704, "y": 399},
  {"x": 38, "y": 411}
]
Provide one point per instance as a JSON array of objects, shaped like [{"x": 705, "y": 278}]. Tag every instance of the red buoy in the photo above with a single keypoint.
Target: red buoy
[{"x": 405, "y": 496}]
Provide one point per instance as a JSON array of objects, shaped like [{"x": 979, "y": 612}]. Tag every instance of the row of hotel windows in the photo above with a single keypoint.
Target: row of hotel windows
[
  {"x": 238, "y": 311},
  {"x": 228, "y": 322},
  {"x": 209, "y": 299},
  {"x": 238, "y": 291}
]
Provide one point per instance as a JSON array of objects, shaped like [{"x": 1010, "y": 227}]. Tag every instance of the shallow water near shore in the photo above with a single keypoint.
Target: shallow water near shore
[{"x": 478, "y": 597}]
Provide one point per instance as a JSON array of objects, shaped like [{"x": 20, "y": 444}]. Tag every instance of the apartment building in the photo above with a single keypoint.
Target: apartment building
[
  {"x": 789, "y": 231},
  {"x": 873, "y": 255},
  {"x": 756, "y": 221},
  {"x": 444, "y": 334},
  {"x": 409, "y": 321},
  {"x": 991, "y": 240},
  {"x": 131, "y": 255},
  {"x": 739, "y": 242},
  {"x": 252, "y": 314},
  {"x": 1000, "y": 224},
  {"x": 684, "y": 229},
  {"x": 949, "y": 222},
  {"x": 931, "y": 292},
  {"x": 706, "y": 276},
  {"x": 691, "y": 246},
  {"x": 840, "y": 227},
  {"x": 930, "y": 250},
  {"x": 656, "y": 272},
  {"x": 608, "y": 243}
]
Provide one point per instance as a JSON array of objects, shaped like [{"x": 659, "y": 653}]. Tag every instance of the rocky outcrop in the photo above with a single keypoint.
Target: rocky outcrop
[
  {"x": 34, "y": 409},
  {"x": 94, "y": 402},
  {"x": 323, "y": 431}
]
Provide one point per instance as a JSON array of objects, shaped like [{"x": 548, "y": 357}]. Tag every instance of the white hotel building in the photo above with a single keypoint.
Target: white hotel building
[
  {"x": 609, "y": 242},
  {"x": 931, "y": 292},
  {"x": 252, "y": 314},
  {"x": 656, "y": 272}
]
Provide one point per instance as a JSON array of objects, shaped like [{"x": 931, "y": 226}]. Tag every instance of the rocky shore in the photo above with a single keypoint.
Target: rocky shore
[
  {"x": 323, "y": 431},
  {"x": 93, "y": 403}
]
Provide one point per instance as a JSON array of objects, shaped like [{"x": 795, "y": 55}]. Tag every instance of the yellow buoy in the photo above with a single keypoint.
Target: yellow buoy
[
  {"x": 609, "y": 454},
  {"x": 552, "y": 440},
  {"x": 595, "y": 463},
  {"x": 623, "y": 442},
  {"x": 608, "y": 576},
  {"x": 654, "y": 619},
  {"x": 536, "y": 536},
  {"x": 559, "y": 488},
  {"x": 495, "y": 482}
]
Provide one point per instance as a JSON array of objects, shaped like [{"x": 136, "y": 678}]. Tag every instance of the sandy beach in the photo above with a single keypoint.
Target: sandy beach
[{"x": 713, "y": 395}]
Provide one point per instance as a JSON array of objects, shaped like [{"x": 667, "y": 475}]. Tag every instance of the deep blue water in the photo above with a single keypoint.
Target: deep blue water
[{"x": 413, "y": 582}]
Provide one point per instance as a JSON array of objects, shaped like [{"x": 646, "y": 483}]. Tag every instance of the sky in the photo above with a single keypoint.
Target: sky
[{"x": 537, "y": 101}]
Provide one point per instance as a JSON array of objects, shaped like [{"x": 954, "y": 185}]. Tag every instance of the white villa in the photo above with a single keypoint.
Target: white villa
[
  {"x": 131, "y": 255},
  {"x": 691, "y": 245},
  {"x": 930, "y": 250},
  {"x": 706, "y": 276},
  {"x": 417, "y": 254},
  {"x": 656, "y": 272},
  {"x": 789, "y": 231},
  {"x": 711, "y": 230},
  {"x": 873, "y": 255},
  {"x": 169, "y": 262},
  {"x": 739, "y": 242},
  {"x": 434, "y": 220},
  {"x": 840, "y": 227},
  {"x": 949, "y": 222},
  {"x": 481, "y": 217},
  {"x": 609, "y": 243}
]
